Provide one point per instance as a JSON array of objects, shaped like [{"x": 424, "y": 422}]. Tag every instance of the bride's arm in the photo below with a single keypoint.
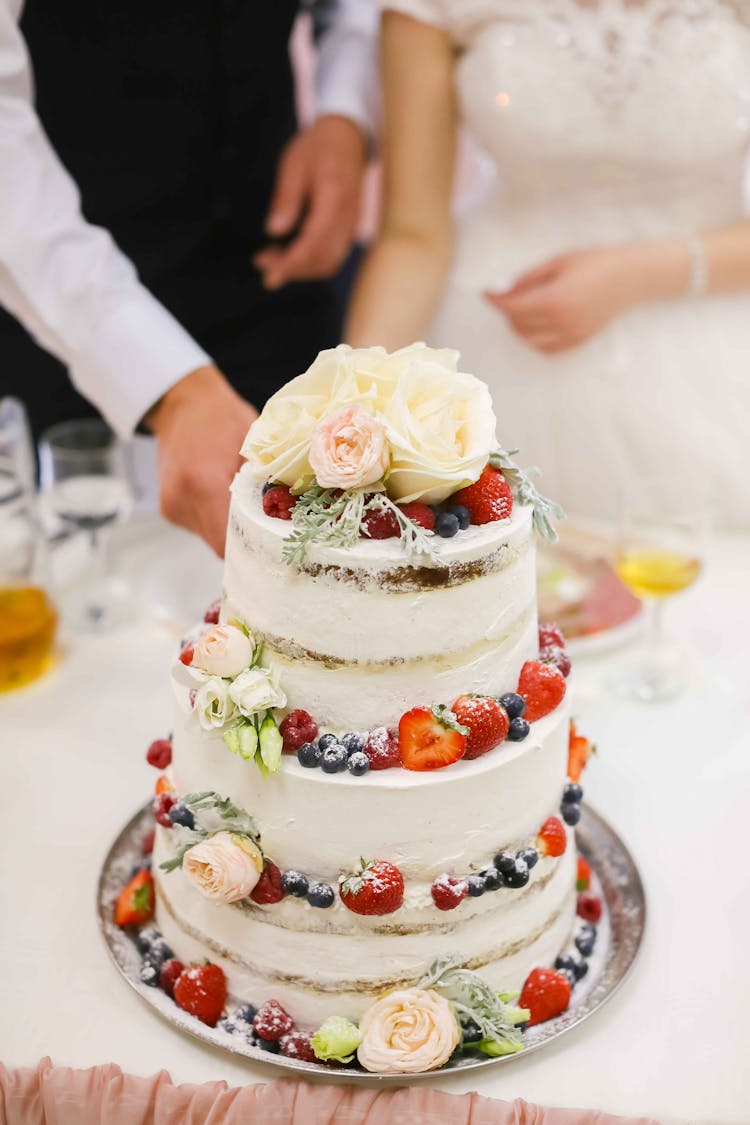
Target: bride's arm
[{"x": 401, "y": 279}]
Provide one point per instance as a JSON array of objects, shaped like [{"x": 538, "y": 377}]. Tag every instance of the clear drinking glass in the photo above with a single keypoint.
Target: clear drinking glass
[
  {"x": 663, "y": 527},
  {"x": 83, "y": 475}
]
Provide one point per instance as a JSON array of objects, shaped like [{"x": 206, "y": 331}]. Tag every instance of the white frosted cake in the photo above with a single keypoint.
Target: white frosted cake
[{"x": 366, "y": 818}]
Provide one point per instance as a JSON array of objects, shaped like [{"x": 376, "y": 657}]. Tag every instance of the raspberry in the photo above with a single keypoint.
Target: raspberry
[
  {"x": 589, "y": 907},
  {"x": 211, "y": 616},
  {"x": 553, "y": 654},
  {"x": 170, "y": 972},
  {"x": 148, "y": 842},
  {"x": 382, "y": 749},
  {"x": 162, "y": 804},
  {"x": 159, "y": 753},
  {"x": 380, "y": 525},
  {"x": 297, "y": 1045},
  {"x": 272, "y": 1022},
  {"x": 551, "y": 634},
  {"x": 419, "y": 513},
  {"x": 186, "y": 654},
  {"x": 268, "y": 888},
  {"x": 278, "y": 502},
  {"x": 447, "y": 892},
  {"x": 297, "y": 728}
]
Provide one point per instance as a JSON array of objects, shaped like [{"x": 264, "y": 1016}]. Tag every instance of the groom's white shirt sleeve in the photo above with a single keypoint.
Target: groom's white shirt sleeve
[
  {"x": 66, "y": 280},
  {"x": 346, "y": 75}
]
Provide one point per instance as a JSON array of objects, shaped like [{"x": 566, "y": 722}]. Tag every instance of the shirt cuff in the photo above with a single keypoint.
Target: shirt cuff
[{"x": 346, "y": 82}]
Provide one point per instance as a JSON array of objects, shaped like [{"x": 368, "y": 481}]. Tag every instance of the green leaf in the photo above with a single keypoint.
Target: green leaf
[
  {"x": 473, "y": 998},
  {"x": 336, "y": 1038},
  {"x": 271, "y": 743},
  {"x": 447, "y": 718}
]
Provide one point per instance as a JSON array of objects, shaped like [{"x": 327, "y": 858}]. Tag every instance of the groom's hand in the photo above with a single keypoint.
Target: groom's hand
[
  {"x": 316, "y": 200},
  {"x": 200, "y": 424}
]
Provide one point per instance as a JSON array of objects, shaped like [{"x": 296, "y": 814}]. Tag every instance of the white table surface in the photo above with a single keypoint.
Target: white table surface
[{"x": 673, "y": 779}]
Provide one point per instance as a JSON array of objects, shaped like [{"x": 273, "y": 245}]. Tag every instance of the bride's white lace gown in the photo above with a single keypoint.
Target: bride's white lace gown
[{"x": 607, "y": 120}]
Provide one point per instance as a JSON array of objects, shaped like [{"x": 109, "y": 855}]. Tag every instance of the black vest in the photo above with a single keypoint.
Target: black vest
[{"x": 170, "y": 115}]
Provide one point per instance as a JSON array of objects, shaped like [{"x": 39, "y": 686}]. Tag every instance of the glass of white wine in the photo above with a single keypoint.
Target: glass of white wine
[
  {"x": 663, "y": 524},
  {"x": 83, "y": 475}
]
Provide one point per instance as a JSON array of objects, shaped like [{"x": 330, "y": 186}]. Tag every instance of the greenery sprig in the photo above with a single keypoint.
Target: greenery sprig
[
  {"x": 234, "y": 818},
  {"x": 474, "y": 999},
  {"x": 524, "y": 491}
]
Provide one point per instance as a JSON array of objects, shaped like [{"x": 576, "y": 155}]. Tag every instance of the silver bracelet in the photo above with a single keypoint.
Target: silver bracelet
[{"x": 698, "y": 283}]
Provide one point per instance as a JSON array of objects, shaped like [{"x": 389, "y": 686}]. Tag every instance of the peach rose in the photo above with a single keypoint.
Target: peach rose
[
  {"x": 349, "y": 449},
  {"x": 407, "y": 1031},
  {"x": 225, "y": 867},
  {"x": 223, "y": 650}
]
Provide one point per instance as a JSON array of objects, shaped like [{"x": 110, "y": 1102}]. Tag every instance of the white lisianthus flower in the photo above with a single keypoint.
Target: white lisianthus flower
[
  {"x": 254, "y": 691},
  {"x": 213, "y": 704},
  {"x": 223, "y": 650},
  {"x": 225, "y": 867},
  {"x": 408, "y": 1031}
]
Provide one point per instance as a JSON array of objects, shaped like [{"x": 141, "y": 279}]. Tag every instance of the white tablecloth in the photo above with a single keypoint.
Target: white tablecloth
[{"x": 673, "y": 779}]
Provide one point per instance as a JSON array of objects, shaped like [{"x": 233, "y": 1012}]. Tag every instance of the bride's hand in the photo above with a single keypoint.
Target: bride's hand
[{"x": 565, "y": 301}]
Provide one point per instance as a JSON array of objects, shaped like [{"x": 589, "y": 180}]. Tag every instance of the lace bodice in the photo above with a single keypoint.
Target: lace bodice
[{"x": 629, "y": 102}]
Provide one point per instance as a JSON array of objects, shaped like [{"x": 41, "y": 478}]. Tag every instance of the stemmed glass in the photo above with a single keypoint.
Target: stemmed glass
[
  {"x": 663, "y": 525},
  {"x": 83, "y": 474}
]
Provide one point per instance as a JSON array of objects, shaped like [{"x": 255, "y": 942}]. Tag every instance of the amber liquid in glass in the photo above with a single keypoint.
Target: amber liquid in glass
[
  {"x": 656, "y": 574},
  {"x": 27, "y": 631}
]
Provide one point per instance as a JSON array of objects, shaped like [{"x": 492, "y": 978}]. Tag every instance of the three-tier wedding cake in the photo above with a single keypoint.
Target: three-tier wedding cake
[{"x": 365, "y": 824}]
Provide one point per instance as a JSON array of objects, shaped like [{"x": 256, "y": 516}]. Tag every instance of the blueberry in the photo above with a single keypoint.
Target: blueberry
[
  {"x": 358, "y": 763},
  {"x": 514, "y": 704},
  {"x": 150, "y": 974},
  {"x": 530, "y": 856},
  {"x": 334, "y": 758},
  {"x": 446, "y": 525},
  {"x": 146, "y": 938},
  {"x": 519, "y": 729},
  {"x": 158, "y": 953},
  {"x": 493, "y": 880},
  {"x": 144, "y": 866},
  {"x": 267, "y": 485},
  {"x": 569, "y": 976},
  {"x": 566, "y": 963},
  {"x": 353, "y": 742},
  {"x": 476, "y": 885},
  {"x": 294, "y": 883},
  {"x": 580, "y": 968},
  {"x": 271, "y": 1045},
  {"x": 519, "y": 876},
  {"x": 308, "y": 755},
  {"x": 246, "y": 1014},
  {"x": 584, "y": 943},
  {"x": 320, "y": 894},
  {"x": 571, "y": 814},
  {"x": 471, "y": 1032},
  {"x": 505, "y": 862},
  {"x": 572, "y": 794},
  {"x": 228, "y": 1026},
  {"x": 462, "y": 514},
  {"x": 326, "y": 740},
  {"x": 181, "y": 814}
]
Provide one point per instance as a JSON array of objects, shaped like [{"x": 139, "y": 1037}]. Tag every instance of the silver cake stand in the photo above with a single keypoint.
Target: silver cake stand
[{"x": 619, "y": 935}]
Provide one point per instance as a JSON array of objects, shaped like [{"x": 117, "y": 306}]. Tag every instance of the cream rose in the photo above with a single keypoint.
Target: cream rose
[
  {"x": 213, "y": 705},
  {"x": 406, "y": 1031},
  {"x": 349, "y": 449},
  {"x": 223, "y": 650},
  {"x": 225, "y": 867},
  {"x": 256, "y": 691},
  {"x": 441, "y": 428}
]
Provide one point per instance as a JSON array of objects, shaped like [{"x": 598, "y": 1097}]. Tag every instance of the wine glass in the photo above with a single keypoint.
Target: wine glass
[
  {"x": 83, "y": 475},
  {"x": 663, "y": 525}
]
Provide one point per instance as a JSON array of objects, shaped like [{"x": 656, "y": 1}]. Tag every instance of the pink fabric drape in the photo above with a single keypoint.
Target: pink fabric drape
[{"x": 49, "y": 1095}]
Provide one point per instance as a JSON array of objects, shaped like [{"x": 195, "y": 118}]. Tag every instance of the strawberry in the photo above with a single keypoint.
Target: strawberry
[
  {"x": 297, "y": 1045},
  {"x": 488, "y": 499},
  {"x": 148, "y": 842},
  {"x": 186, "y": 654},
  {"x": 552, "y": 838},
  {"x": 542, "y": 686},
  {"x": 380, "y": 525},
  {"x": 551, "y": 634},
  {"x": 447, "y": 892},
  {"x": 159, "y": 753},
  {"x": 297, "y": 728},
  {"x": 430, "y": 738},
  {"x": 486, "y": 719},
  {"x": 171, "y": 971},
  {"x": 382, "y": 749},
  {"x": 278, "y": 502},
  {"x": 162, "y": 785},
  {"x": 545, "y": 993},
  {"x": 557, "y": 657},
  {"x": 419, "y": 513},
  {"x": 211, "y": 616},
  {"x": 272, "y": 1021},
  {"x": 162, "y": 804},
  {"x": 579, "y": 751},
  {"x": 202, "y": 991},
  {"x": 268, "y": 888},
  {"x": 374, "y": 888},
  {"x": 135, "y": 903},
  {"x": 583, "y": 875},
  {"x": 589, "y": 907}
]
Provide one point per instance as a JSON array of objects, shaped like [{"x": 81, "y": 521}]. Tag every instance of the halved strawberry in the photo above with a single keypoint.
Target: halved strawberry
[
  {"x": 580, "y": 750},
  {"x": 552, "y": 838},
  {"x": 430, "y": 738},
  {"x": 486, "y": 719},
  {"x": 545, "y": 993},
  {"x": 543, "y": 688},
  {"x": 202, "y": 991},
  {"x": 488, "y": 499},
  {"x": 583, "y": 875},
  {"x": 135, "y": 903},
  {"x": 187, "y": 653},
  {"x": 374, "y": 888}
]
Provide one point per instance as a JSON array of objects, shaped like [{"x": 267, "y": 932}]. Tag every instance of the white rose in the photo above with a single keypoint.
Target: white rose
[
  {"x": 349, "y": 449},
  {"x": 441, "y": 428},
  {"x": 255, "y": 691},
  {"x": 213, "y": 704},
  {"x": 225, "y": 867},
  {"x": 223, "y": 650},
  {"x": 407, "y": 1031}
]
